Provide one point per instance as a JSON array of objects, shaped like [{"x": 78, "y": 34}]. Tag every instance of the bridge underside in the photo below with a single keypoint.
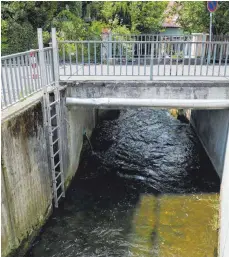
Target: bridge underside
[{"x": 168, "y": 94}]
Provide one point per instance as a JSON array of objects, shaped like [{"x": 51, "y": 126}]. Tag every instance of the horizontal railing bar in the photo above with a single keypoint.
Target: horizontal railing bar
[
  {"x": 147, "y": 75},
  {"x": 24, "y": 53},
  {"x": 47, "y": 48},
  {"x": 153, "y": 35},
  {"x": 18, "y": 54},
  {"x": 144, "y": 42}
]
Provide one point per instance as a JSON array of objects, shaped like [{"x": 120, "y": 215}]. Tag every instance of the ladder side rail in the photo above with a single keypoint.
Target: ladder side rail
[
  {"x": 47, "y": 115},
  {"x": 57, "y": 94}
]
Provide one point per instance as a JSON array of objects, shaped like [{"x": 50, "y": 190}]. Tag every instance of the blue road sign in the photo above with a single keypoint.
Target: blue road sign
[{"x": 212, "y": 6}]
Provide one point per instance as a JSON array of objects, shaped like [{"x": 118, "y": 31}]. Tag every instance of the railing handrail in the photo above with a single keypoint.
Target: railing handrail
[
  {"x": 126, "y": 41},
  {"x": 151, "y": 34},
  {"x": 23, "y": 53},
  {"x": 18, "y": 54}
]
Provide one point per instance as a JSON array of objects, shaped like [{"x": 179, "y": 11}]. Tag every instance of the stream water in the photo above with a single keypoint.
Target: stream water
[{"x": 146, "y": 189}]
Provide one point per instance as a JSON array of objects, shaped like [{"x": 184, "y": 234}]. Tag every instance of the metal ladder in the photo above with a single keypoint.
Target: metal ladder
[
  {"x": 53, "y": 121},
  {"x": 52, "y": 117}
]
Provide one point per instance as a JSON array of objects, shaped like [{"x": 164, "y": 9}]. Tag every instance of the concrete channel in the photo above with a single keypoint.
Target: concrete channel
[{"x": 26, "y": 179}]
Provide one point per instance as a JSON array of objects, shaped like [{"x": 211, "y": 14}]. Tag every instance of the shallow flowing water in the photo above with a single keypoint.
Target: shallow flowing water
[{"x": 147, "y": 189}]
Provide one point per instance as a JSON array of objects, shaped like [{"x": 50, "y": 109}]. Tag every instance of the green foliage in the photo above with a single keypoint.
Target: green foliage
[
  {"x": 95, "y": 29},
  {"x": 4, "y": 27},
  {"x": 70, "y": 26},
  {"x": 147, "y": 16},
  {"x": 120, "y": 10},
  {"x": 138, "y": 16},
  {"x": 194, "y": 17},
  {"x": 18, "y": 37},
  {"x": 221, "y": 18}
]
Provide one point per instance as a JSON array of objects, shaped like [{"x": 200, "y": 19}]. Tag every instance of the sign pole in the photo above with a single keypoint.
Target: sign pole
[{"x": 210, "y": 32}]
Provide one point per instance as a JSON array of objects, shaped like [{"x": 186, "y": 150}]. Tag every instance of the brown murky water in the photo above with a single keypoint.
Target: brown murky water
[{"x": 147, "y": 189}]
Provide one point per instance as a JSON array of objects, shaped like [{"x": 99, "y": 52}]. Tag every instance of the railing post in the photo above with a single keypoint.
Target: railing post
[
  {"x": 55, "y": 57},
  {"x": 151, "y": 61},
  {"x": 42, "y": 59},
  {"x": 110, "y": 46}
]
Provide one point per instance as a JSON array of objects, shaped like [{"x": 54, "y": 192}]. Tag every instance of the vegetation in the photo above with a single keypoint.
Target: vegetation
[
  {"x": 74, "y": 20},
  {"x": 85, "y": 20},
  {"x": 194, "y": 16}
]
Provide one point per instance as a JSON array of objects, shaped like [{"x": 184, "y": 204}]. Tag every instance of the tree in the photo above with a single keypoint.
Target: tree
[
  {"x": 194, "y": 17},
  {"x": 120, "y": 10},
  {"x": 20, "y": 21},
  {"x": 147, "y": 17},
  {"x": 138, "y": 16}
]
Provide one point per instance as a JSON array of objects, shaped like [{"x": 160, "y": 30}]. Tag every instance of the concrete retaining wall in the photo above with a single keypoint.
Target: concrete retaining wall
[
  {"x": 212, "y": 127},
  {"x": 75, "y": 122},
  {"x": 26, "y": 177}
]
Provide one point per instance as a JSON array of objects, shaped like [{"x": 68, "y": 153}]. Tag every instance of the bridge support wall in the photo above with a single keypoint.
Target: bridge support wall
[
  {"x": 212, "y": 127},
  {"x": 26, "y": 182}
]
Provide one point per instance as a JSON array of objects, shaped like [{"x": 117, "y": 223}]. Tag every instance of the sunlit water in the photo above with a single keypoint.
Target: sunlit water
[{"x": 147, "y": 189}]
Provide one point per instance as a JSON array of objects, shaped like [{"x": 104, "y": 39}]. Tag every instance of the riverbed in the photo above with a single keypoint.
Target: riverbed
[{"x": 146, "y": 188}]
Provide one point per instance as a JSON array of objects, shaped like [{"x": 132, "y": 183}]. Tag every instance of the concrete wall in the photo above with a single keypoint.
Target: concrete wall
[
  {"x": 149, "y": 89},
  {"x": 212, "y": 127},
  {"x": 26, "y": 177},
  {"x": 224, "y": 207},
  {"x": 75, "y": 122},
  {"x": 26, "y": 183}
]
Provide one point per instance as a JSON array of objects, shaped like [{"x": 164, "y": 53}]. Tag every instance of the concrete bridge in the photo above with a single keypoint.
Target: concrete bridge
[{"x": 49, "y": 101}]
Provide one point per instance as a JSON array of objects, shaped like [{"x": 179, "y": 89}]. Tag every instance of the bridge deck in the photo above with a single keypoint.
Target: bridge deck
[{"x": 135, "y": 72}]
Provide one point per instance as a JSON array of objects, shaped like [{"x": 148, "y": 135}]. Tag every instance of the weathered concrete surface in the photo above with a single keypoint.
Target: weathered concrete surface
[
  {"x": 23, "y": 104},
  {"x": 149, "y": 89},
  {"x": 211, "y": 127},
  {"x": 26, "y": 183},
  {"x": 75, "y": 122},
  {"x": 26, "y": 176},
  {"x": 224, "y": 208}
]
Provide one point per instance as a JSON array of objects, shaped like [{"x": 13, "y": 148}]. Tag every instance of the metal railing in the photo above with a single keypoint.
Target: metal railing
[
  {"x": 147, "y": 38},
  {"x": 139, "y": 58},
  {"x": 167, "y": 37},
  {"x": 21, "y": 75},
  {"x": 220, "y": 38},
  {"x": 151, "y": 37},
  {"x": 149, "y": 57}
]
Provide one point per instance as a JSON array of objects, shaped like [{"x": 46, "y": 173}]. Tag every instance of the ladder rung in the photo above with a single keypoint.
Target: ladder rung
[
  {"x": 58, "y": 175},
  {"x": 55, "y": 141},
  {"x": 55, "y": 128},
  {"x": 56, "y": 165},
  {"x": 56, "y": 153},
  {"x": 53, "y": 116},
  {"x": 53, "y": 103},
  {"x": 59, "y": 186},
  {"x": 60, "y": 196}
]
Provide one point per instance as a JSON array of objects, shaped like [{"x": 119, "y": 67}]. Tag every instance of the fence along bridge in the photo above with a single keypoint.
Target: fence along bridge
[
  {"x": 144, "y": 60},
  {"x": 29, "y": 76}
]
